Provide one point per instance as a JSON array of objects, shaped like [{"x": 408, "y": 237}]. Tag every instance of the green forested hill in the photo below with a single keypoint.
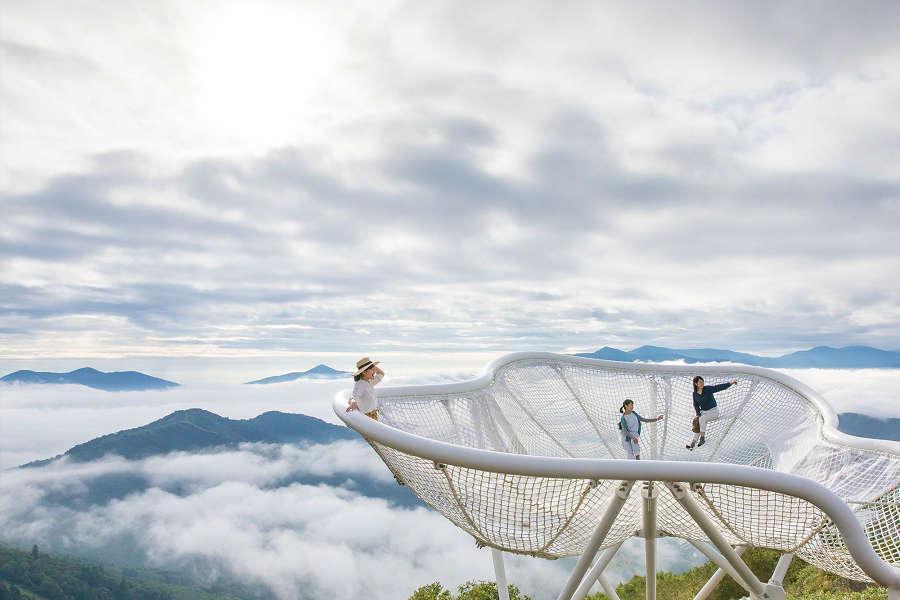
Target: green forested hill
[
  {"x": 38, "y": 575},
  {"x": 197, "y": 429}
]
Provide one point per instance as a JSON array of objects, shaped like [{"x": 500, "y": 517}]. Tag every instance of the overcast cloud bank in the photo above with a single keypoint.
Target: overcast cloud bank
[
  {"x": 197, "y": 180},
  {"x": 230, "y": 514}
]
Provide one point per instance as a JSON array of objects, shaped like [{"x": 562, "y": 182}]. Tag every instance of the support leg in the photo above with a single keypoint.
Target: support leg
[
  {"x": 745, "y": 575},
  {"x": 596, "y": 574},
  {"x": 590, "y": 550},
  {"x": 649, "y": 495},
  {"x": 608, "y": 588},
  {"x": 500, "y": 574},
  {"x": 723, "y": 570},
  {"x": 784, "y": 561}
]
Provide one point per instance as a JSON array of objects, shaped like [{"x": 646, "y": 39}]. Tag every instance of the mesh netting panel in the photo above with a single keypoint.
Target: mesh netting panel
[{"x": 544, "y": 407}]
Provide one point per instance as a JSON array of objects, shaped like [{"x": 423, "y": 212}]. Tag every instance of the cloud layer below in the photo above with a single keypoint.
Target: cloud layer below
[
  {"x": 242, "y": 514},
  {"x": 230, "y": 515}
]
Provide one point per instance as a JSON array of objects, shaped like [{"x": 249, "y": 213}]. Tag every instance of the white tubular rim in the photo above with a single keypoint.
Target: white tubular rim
[{"x": 646, "y": 470}]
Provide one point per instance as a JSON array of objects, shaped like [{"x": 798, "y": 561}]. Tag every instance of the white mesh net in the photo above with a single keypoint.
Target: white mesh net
[{"x": 562, "y": 408}]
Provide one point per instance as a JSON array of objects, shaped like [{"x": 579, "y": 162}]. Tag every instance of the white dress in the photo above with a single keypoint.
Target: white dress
[{"x": 365, "y": 395}]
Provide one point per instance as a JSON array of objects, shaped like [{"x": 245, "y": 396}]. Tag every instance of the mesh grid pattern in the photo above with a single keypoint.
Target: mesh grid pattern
[{"x": 544, "y": 407}]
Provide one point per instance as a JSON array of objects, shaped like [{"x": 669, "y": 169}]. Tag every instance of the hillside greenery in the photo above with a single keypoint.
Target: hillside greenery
[
  {"x": 471, "y": 590},
  {"x": 802, "y": 582},
  {"x": 37, "y": 575}
]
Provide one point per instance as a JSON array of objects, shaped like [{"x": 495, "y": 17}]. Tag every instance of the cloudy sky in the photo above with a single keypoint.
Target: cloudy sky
[{"x": 263, "y": 179}]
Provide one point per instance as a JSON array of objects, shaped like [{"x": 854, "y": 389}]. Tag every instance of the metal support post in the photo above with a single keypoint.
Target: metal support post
[
  {"x": 596, "y": 574},
  {"x": 784, "y": 561},
  {"x": 745, "y": 575},
  {"x": 584, "y": 561},
  {"x": 723, "y": 570},
  {"x": 649, "y": 494},
  {"x": 500, "y": 574},
  {"x": 608, "y": 588}
]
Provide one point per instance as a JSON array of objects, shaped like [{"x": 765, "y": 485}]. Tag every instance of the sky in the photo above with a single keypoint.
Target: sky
[
  {"x": 229, "y": 513},
  {"x": 232, "y": 180},
  {"x": 214, "y": 192}
]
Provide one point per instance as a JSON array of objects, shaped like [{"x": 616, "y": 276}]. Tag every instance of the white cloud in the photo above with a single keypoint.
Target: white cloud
[
  {"x": 871, "y": 392},
  {"x": 297, "y": 540}
]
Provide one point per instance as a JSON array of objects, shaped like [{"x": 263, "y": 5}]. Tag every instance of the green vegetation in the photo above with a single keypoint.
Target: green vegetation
[
  {"x": 802, "y": 582},
  {"x": 38, "y": 575},
  {"x": 472, "y": 590}
]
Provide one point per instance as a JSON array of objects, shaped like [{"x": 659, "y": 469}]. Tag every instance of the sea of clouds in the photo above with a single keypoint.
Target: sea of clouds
[{"x": 241, "y": 514}]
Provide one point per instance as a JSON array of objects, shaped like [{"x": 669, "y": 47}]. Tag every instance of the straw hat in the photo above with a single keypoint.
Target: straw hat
[{"x": 363, "y": 364}]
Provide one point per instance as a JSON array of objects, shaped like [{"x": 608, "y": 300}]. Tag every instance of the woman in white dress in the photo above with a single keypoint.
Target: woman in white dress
[{"x": 364, "y": 397}]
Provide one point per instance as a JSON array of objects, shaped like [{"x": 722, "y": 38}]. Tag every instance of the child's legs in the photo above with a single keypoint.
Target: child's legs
[{"x": 629, "y": 448}]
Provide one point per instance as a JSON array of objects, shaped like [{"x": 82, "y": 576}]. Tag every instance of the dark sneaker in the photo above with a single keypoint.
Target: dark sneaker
[
  {"x": 690, "y": 446},
  {"x": 702, "y": 441}
]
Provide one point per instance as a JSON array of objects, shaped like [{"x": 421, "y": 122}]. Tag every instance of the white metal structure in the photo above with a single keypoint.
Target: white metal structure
[{"x": 527, "y": 459}]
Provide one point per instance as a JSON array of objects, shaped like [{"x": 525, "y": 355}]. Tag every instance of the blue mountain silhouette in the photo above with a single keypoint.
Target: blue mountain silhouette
[
  {"x": 116, "y": 381},
  {"x": 197, "y": 429},
  {"x": 824, "y": 357},
  {"x": 317, "y": 372}
]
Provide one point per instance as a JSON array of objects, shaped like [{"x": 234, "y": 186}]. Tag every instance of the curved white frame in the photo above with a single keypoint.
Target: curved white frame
[{"x": 648, "y": 470}]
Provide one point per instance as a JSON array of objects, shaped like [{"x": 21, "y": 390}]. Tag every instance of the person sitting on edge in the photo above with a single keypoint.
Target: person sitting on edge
[
  {"x": 630, "y": 425},
  {"x": 705, "y": 407},
  {"x": 364, "y": 398}
]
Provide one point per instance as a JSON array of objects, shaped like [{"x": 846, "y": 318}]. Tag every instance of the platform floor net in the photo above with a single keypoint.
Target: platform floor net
[{"x": 561, "y": 409}]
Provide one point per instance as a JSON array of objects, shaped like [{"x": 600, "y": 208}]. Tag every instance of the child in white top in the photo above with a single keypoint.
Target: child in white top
[
  {"x": 364, "y": 398},
  {"x": 630, "y": 429}
]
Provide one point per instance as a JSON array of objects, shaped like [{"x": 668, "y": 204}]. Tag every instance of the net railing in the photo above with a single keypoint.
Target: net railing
[{"x": 559, "y": 406}]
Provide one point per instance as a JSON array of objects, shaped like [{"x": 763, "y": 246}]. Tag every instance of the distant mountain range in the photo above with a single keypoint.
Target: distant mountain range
[
  {"x": 823, "y": 357},
  {"x": 197, "y": 430},
  {"x": 117, "y": 381},
  {"x": 317, "y": 372},
  {"x": 869, "y": 427}
]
